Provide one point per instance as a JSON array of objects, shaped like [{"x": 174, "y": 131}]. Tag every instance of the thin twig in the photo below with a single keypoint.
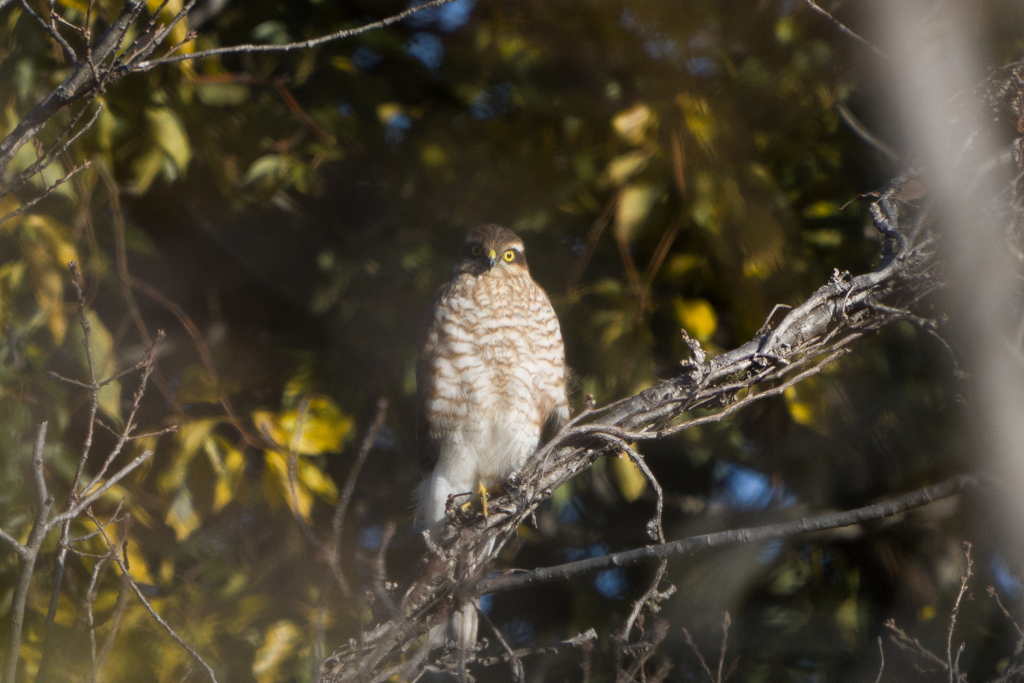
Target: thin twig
[
  {"x": 952, "y": 667},
  {"x": 287, "y": 47},
  {"x": 153, "y": 613},
  {"x": 28, "y": 560},
  {"x": 844, "y": 30},
  {"x": 888, "y": 508},
  {"x": 516, "y": 664},
  {"x": 726, "y": 621},
  {"x": 881, "y": 665}
]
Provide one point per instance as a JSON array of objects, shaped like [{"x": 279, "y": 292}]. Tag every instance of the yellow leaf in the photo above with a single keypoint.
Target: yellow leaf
[
  {"x": 101, "y": 344},
  {"x": 317, "y": 427},
  {"x": 634, "y": 123},
  {"x": 697, "y": 316},
  {"x": 433, "y": 155},
  {"x": 145, "y": 168},
  {"x": 387, "y": 111},
  {"x": 279, "y": 643},
  {"x": 805, "y": 405},
  {"x": 848, "y": 619},
  {"x": 170, "y": 135},
  {"x": 278, "y": 487},
  {"x": 270, "y": 168},
  {"x": 137, "y": 565},
  {"x": 191, "y": 437},
  {"x": 635, "y": 204},
  {"x": 182, "y": 515},
  {"x": 821, "y": 209},
  {"x": 623, "y": 167},
  {"x": 343, "y": 64},
  {"x": 629, "y": 477},
  {"x": 699, "y": 121},
  {"x": 316, "y": 481},
  {"x": 229, "y": 473}
]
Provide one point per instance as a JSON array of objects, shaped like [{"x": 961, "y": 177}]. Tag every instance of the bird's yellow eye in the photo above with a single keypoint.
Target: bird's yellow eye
[
  {"x": 476, "y": 250},
  {"x": 509, "y": 255}
]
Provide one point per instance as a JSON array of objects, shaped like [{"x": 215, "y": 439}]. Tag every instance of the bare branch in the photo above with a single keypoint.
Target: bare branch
[
  {"x": 844, "y": 30},
  {"x": 952, "y": 666},
  {"x": 47, "y": 192},
  {"x": 287, "y": 47},
  {"x": 77, "y": 85},
  {"x": 28, "y": 558},
  {"x": 126, "y": 575},
  {"x": 88, "y": 500},
  {"x": 686, "y": 546}
]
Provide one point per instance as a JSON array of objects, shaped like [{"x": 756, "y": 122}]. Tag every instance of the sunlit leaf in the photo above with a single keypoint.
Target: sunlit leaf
[
  {"x": 137, "y": 565},
  {"x": 279, "y": 643},
  {"x": 317, "y": 426},
  {"x": 697, "y": 316},
  {"x": 278, "y": 487},
  {"x": 190, "y": 437},
  {"x": 314, "y": 479},
  {"x": 229, "y": 464},
  {"x": 635, "y": 123},
  {"x": 805, "y": 405},
  {"x": 635, "y": 204},
  {"x": 699, "y": 121},
  {"x": 170, "y": 135},
  {"x": 822, "y": 209},
  {"x": 629, "y": 478},
  {"x": 182, "y": 516},
  {"x": 271, "y": 167},
  {"x": 145, "y": 168},
  {"x": 222, "y": 94},
  {"x": 101, "y": 344},
  {"x": 623, "y": 167},
  {"x": 848, "y": 618}
]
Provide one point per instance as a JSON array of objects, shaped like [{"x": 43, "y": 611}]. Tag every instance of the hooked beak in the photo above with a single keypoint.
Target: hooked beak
[{"x": 492, "y": 258}]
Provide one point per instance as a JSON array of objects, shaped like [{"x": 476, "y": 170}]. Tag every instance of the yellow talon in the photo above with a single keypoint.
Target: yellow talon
[{"x": 482, "y": 490}]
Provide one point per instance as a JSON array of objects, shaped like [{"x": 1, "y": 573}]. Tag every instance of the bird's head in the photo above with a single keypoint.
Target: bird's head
[{"x": 492, "y": 249}]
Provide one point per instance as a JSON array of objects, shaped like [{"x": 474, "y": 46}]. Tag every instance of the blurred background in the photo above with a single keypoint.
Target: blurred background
[{"x": 286, "y": 219}]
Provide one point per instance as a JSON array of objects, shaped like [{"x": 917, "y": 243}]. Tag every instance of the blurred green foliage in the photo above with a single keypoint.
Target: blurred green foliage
[{"x": 668, "y": 165}]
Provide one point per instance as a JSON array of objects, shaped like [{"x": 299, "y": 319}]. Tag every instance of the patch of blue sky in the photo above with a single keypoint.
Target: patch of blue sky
[
  {"x": 396, "y": 126},
  {"x": 770, "y": 551},
  {"x": 492, "y": 102},
  {"x": 611, "y": 583},
  {"x": 571, "y": 511},
  {"x": 660, "y": 47},
  {"x": 594, "y": 550},
  {"x": 1008, "y": 584},
  {"x": 427, "y": 48},
  {"x": 370, "y": 537},
  {"x": 702, "y": 67},
  {"x": 518, "y": 632},
  {"x": 744, "y": 488},
  {"x": 448, "y": 18},
  {"x": 365, "y": 58}
]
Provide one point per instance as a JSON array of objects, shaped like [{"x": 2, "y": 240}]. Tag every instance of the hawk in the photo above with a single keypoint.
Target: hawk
[{"x": 491, "y": 372}]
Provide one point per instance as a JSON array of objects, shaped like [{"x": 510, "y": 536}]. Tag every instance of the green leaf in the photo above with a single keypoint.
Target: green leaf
[
  {"x": 170, "y": 135},
  {"x": 271, "y": 167},
  {"x": 634, "y": 207},
  {"x": 222, "y": 94},
  {"x": 101, "y": 345}
]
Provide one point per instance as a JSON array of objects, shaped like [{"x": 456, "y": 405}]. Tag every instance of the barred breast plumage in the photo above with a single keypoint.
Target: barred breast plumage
[{"x": 491, "y": 372}]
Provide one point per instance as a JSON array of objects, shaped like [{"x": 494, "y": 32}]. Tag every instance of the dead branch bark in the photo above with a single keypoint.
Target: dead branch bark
[{"x": 808, "y": 338}]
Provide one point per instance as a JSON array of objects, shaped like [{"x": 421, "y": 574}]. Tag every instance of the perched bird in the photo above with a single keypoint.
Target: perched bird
[{"x": 490, "y": 377}]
